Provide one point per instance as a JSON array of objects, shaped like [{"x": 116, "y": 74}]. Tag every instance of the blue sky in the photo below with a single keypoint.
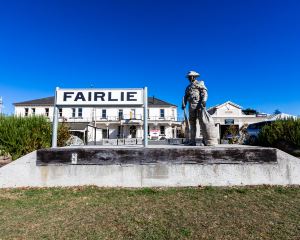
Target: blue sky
[{"x": 246, "y": 51}]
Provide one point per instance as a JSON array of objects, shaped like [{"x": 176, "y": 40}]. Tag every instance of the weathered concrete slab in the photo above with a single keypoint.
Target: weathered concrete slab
[
  {"x": 153, "y": 155},
  {"x": 25, "y": 173}
]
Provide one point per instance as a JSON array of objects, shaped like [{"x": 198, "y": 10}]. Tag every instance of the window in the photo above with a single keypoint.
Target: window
[
  {"x": 162, "y": 130},
  {"x": 103, "y": 113},
  {"x": 47, "y": 112},
  {"x": 173, "y": 113},
  {"x": 26, "y": 112},
  {"x": 120, "y": 114},
  {"x": 73, "y": 112},
  {"x": 148, "y": 113},
  {"x": 80, "y": 112},
  {"x": 162, "y": 113},
  {"x": 33, "y": 111},
  {"x": 60, "y": 113},
  {"x": 132, "y": 114}
]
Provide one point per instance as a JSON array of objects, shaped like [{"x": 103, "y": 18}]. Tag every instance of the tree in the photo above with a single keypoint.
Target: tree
[
  {"x": 277, "y": 111},
  {"x": 250, "y": 111}
]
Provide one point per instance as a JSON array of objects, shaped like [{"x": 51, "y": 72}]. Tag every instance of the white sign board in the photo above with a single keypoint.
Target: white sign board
[
  {"x": 98, "y": 97},
  {"x": 88, "y": 97},
  {"x": 154, "y": 132}
]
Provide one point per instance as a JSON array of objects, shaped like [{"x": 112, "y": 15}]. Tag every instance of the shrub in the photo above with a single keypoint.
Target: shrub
[
  {"x": 19, "y": 135},
  {"x": 233, "y": 132},
  {"x": 63, "y": 134},
  {"x": 282, "y": 134}
]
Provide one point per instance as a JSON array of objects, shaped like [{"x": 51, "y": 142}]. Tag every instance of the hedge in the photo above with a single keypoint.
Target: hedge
[
  {"x": 22, "y": 135},
  {"x": 282, "y": 134}
]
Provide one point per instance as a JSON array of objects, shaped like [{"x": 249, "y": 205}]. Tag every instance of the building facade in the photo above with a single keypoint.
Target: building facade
[
  {"x": 231, "y": 114},
  {"x": 228, "y": 115},
  {"x": 93, "y": 124}
]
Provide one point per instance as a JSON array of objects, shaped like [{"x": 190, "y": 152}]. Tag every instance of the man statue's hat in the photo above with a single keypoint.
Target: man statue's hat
[{"x": 192, "y": 73}]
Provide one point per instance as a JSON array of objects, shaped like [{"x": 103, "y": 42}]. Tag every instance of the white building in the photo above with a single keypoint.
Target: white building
[
  {"x": 229, "y": 113},
  {"x": 281, "y": 116},
  {"x": 94, "y": 124}
]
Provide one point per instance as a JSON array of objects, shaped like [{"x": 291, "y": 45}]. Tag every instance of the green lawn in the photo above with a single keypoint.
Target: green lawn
[{"x": 172, "y": 213}]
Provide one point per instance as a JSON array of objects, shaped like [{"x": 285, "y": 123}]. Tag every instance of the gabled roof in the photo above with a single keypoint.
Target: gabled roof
[
  {"x": 213, "y": 109},
  {"x": 153, "y": 101},
  {"x": 49, "y": 101},
  {"x": 225, "y": 103}
]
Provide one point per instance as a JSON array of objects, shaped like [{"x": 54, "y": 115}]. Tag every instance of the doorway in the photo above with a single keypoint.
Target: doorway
[
  {"x": 228, "y": 131},
  {"x": 132, "y": 131}
]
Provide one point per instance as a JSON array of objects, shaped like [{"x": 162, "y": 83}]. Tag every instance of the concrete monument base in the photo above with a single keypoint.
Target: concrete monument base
[{"x": 154, "y": 166}]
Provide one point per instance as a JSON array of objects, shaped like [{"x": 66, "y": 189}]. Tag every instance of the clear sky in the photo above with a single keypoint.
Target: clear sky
[{"x": 247, "y": 51}]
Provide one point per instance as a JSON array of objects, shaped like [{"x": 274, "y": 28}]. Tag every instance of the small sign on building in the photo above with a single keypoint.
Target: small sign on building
[{"x": 229, "y": 121}]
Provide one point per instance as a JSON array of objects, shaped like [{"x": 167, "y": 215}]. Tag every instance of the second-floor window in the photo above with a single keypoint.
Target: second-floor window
[
  {"x": 26, "y": 112},
  {"x": 103, "y": 113},
  {"x": 47, "y": 112},
  {"x": 80, "y": 112},
  {"x": 162, "y": 113},
  {"x": 132, "y": 114},
  {"x": 33, "y": 111},
  {"x": 60, "y": 112},
  {"x": 76, "y": 112}
]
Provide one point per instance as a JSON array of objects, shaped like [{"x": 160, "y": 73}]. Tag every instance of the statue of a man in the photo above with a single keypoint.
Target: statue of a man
[{"x": 196, "y": 95}]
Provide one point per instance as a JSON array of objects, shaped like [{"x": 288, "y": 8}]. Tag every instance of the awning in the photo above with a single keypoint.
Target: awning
[
  {"x": 78, "y": 126},
  {"x": 132, "y": 122}
]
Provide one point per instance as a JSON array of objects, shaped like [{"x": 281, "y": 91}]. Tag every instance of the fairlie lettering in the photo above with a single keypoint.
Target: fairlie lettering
[
  {"x": 67, "y": 95},
  {"x": 130, "y": 96},
  {"x": 79, "y": 96},
  {"x": 99, "y": 95},
  {"x": 110, "y": 98}
]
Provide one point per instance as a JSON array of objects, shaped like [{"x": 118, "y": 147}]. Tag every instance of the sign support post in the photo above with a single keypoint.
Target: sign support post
[
  {"x": 55, "y": 121},
  {"x": 145, "y": 116}
]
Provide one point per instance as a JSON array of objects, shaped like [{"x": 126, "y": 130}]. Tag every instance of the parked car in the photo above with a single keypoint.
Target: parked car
[{"x": 253, "y": 131}]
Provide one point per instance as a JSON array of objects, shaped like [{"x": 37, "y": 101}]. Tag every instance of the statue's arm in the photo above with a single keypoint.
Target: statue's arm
[
  {"x": 184, "y": 99},
  {"x": 204, "y": 97},
  {"x": 203, "y": 92}
]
